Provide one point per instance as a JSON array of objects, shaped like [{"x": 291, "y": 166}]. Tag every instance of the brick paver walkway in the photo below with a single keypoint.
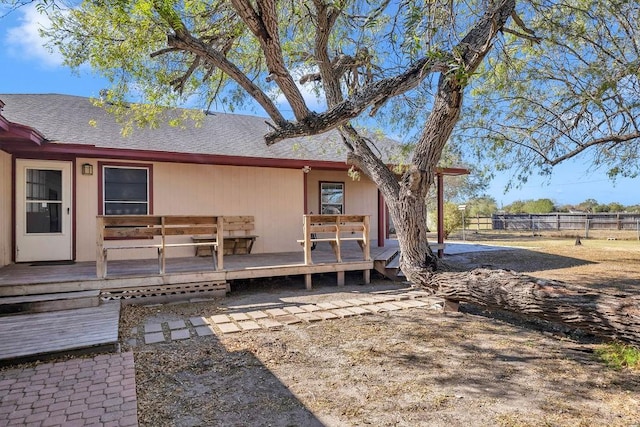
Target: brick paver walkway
[{"x": 97, "y": 391}]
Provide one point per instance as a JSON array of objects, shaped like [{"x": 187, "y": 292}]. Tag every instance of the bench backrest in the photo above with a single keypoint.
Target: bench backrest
[
  {"x": 337, "y": 223},
  {"x": 114, "y": 227},
  {"x": 238, "y": 225}
]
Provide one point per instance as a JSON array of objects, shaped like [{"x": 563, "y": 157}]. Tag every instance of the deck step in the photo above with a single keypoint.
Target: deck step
[
  {"x": 387, "y": 254},
  {"x": 387, "y": 263},
  {"x": 42, "y": 303}
]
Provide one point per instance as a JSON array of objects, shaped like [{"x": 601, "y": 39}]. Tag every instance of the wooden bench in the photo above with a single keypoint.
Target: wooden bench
[
  {"x": 151, "y": 232},
  {"x": 335, "y": 229},
  {"x": 237, "y": 237}
]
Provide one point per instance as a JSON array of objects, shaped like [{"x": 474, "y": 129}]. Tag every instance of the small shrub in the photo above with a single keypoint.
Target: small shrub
[{"x": 618, "y": 356}]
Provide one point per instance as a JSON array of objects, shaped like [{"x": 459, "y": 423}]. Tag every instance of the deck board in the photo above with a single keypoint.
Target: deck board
[{"x": 44, "y": 333}]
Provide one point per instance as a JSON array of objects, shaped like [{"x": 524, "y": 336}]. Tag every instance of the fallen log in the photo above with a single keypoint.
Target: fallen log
[{"x": 604, "y": 314}]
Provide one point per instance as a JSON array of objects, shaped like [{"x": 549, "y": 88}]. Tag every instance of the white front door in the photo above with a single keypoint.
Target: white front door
[{"x": 43, "y": 210}]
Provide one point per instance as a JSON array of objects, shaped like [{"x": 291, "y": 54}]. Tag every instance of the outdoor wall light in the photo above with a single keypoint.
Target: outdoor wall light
[
  {"x": 306, "y": 169},
  {"x": 87, "y": 169}
]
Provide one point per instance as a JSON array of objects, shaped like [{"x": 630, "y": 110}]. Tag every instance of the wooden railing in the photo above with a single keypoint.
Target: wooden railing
[
  {"x": 151, "y": 232},
  {"x": 335, "y": 229}
]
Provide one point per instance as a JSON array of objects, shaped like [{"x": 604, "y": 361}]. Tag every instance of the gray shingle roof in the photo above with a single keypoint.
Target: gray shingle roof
[{"x": 66, "y": 119}]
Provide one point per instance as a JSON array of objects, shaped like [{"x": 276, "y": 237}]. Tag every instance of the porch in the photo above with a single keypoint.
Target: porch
[{"x": 182, "y": 273}]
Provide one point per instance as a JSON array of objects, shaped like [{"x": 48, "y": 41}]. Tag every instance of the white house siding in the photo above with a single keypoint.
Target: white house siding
[
  {"x": 5, "y": 208},
  {"x": 361, "y": 196},
  {"x": 274, "y": 196}
]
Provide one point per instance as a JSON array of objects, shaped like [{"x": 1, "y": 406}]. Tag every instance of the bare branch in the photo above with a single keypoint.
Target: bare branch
[{"x": 534, "y": 39}]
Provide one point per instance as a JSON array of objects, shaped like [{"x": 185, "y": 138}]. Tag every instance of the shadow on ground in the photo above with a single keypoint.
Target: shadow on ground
[
  {"x": 179, "y": 384},
  {"x": 520, "y": 260}
]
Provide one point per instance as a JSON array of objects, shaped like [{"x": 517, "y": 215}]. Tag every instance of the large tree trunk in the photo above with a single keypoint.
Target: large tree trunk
[{"x": 613, "y": 316}]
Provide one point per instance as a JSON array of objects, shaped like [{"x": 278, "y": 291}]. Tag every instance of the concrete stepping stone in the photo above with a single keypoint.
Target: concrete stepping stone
[
  {"x": 228, "y": 328},
  {"x": 293, "y": 309},
  {"x": 326, "y": 305},
  {"x": 180, "y": 334},
  {"x": 343, "y": 312},
  {"x": 389, "y": 306},
  {"x": 255, "y": 315},
  {"x": 356, "y": 301},
  {"x": 152, "y": 327},
  {"x": 359, "y": 310},
  {"x": 310, "y": 308},
  {"x": 204, "y": 331},
  {"x": 374, "y": 308},
  {"x": 276, "y": 312},
  {"x": 153, "y": 338},
  {"x": 269, "y": 323},
  {"x": 220, "y": 318},
  {"x": 239, "y": 316},
  {"x": 289, "y": 319},
  {"x": 198, "y": 321},
  {"x": 176, "y": 324},
  {"x": 309, "y": 317},
  {"x": 249, "y": 325},
  {"x": 326, "y": 315},
  {"x": 341, "y": 304}
]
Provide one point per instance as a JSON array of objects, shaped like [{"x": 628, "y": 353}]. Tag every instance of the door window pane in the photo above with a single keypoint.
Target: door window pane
[
  {"x": 44, "y": 218},
  {"x": 44, "y": 184},
  {"x": 43, "y": 204}
]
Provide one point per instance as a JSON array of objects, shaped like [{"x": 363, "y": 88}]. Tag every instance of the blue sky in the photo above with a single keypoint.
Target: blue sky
[{"x": 28, "y": 67}]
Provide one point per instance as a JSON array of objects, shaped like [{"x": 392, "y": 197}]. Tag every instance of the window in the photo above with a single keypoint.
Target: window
[
  {"x": 126, "y": 190},
  {"x": 331, "y": 198}
]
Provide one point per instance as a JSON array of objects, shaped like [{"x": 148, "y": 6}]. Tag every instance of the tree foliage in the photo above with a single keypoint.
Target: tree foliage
[
  {"x": 482, "y": 206},
  {"x": 531, "y": 206},
  {"x": 572, "y": 90}
]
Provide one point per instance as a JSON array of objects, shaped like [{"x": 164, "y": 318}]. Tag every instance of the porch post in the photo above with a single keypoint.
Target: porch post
[
  {"x": 440, "y": 182},
  {"x": 382, "y": 234}
]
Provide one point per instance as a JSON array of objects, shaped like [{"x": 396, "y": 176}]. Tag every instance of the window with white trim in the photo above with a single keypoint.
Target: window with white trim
[
  {"x": 125, "y": 190},
  {"x": 332, "y": 198}
]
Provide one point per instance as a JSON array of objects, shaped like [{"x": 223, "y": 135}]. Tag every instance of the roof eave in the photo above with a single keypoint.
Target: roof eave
[
  {"x": 15, "y": 132},
  {"x": 89, "y": 151}
]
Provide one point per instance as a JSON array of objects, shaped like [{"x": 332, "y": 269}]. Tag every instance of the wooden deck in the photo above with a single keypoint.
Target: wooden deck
[
  {"x": 46, "y": 333},
  {"x": 29, "y": 279},
  {"x": 29, "y": 336}
]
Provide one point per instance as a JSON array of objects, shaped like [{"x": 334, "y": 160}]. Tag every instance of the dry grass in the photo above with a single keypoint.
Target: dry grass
[{"x": 408, "y": 368}]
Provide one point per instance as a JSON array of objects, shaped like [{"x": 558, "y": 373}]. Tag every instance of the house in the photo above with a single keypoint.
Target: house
[{"x": 63, "y": 161}]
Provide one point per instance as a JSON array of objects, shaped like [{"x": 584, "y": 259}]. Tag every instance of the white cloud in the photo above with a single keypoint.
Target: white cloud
[
  {"x": 315, "y": 100},
  {"x": 24, "y": 40}
]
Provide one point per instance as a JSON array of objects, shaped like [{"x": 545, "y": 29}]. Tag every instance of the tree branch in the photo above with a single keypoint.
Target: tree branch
[
  {"x": 377, "y": 92},
  {"x": 182, "y": 39},
  {"x": 263, "y": 23}
]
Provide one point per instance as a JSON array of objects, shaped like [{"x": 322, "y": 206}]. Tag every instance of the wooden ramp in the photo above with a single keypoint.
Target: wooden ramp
[{"x": 29, "y": 336}]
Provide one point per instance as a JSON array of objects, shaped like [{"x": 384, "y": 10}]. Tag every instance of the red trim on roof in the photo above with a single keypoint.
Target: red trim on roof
[
  {"x": 53, "y": 150},
  {"x": 4, "y": 124},
  {"x": 14, "y": 132}
]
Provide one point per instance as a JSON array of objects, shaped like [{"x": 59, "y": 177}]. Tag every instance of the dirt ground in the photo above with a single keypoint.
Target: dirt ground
[{"x": 414, "y": 367}]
